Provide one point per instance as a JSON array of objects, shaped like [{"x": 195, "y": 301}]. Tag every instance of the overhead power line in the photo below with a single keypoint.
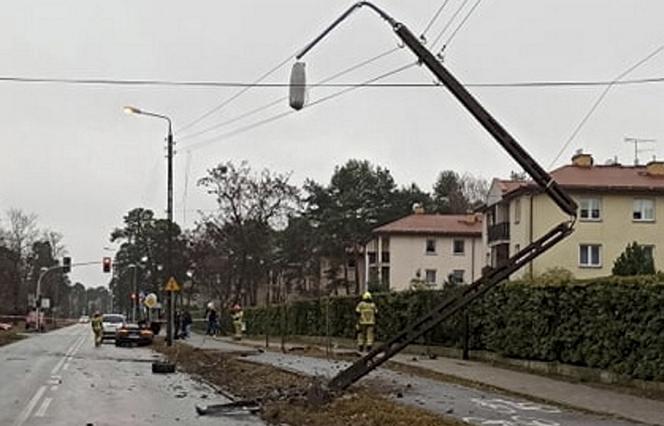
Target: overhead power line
[
  {"x": 599, "y": 100},
  {"x": 235, "y": 96},
  {"x": 449, "y": 23},
  {"x": 322, "y": 83},
  {"x": 461, "y": 24},
  {"x": 227, "y": 135},
  {"x": 433, "y": 19},
  {"x": 231, "y": 84}
]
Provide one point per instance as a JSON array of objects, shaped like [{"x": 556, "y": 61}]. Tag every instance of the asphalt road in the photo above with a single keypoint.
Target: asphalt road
[
  {"x": 60, "y": 378},
  {"x": 474, "y": 406}
]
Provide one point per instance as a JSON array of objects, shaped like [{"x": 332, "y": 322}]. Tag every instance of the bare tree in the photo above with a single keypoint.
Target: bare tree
[
  {"x": 250, "y": 206},
  {"x": 54, "y": 238},
  {"x": 19, "y": 237}
]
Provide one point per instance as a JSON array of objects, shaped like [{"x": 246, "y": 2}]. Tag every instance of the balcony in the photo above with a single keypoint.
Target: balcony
[{"x": 499, "y": 232}]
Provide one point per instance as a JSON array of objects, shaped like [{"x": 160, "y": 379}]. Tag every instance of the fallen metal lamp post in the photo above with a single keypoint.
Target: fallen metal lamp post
[{"x": 492, "y": 277}]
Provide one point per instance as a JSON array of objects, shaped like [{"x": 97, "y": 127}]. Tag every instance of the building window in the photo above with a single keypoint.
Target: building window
[
  {"x": 430, "y": 276},
  {"x": 385, "y": 257},
  {"x": 590, "y": 255},
  {"x": 589, "y": 209},
  {"x": 517, "y": 210},
  {"x": 459, "y": 247},
  {"x": 372, "y": 257},
  {"x": 644, "y": 210},
  {"x": 431, "y": 246},
  {"x": 385, "y": 276},
  {"x": 457, "y": 275},
  {"x": 649, "y": 250}
]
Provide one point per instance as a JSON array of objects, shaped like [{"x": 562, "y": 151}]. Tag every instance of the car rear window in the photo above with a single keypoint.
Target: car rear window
[{"x": 113, "y": 319}]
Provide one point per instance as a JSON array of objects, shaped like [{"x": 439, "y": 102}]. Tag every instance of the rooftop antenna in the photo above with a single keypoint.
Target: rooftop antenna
[{"x": 637, "y": 150}]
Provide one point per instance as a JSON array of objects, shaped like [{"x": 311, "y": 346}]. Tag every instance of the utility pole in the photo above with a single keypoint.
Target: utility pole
[
  {"x": 636, "y": 142},
  {"x": 169, "y": 252},
  {"x": 169, "y": 215}
]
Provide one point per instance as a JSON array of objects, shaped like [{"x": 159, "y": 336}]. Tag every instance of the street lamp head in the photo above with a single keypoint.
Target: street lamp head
[{"x": 131, "y": 110}]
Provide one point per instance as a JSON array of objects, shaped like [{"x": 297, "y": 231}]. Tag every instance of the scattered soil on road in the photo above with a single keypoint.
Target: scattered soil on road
[{"x": 283, "y": 393}]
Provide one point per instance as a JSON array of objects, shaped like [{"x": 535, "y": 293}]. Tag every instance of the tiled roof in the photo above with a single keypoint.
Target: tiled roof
[
  {"x": 598, "y": 178},
  {"x": 434, "y": 224},
  {"x": 510, "y": 185}
]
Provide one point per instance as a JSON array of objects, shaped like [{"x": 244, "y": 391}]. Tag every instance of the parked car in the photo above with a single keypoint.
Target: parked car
[
  {"x": 130, "y": 334},
  {"x": 31, "y": 320},
  {"x": 110, "y": 324},
  {"x": 84, "y": 319}
]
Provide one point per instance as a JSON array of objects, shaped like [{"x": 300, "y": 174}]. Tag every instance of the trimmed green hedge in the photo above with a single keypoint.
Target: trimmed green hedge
[{"x": 611, "y": 323}]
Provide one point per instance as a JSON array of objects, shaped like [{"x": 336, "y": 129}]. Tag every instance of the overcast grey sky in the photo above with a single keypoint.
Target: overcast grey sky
[{"x": 72, "y": 157}]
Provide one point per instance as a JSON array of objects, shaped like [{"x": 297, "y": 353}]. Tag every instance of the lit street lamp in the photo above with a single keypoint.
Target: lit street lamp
[{"x": 169, "y": 211}]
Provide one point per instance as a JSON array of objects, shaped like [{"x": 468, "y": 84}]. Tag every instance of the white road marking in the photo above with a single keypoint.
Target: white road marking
[
  {"x": 28, "y": 408},
  {"x": 42, "y": 410},
  {"x": 54, "y": 388},
  {"x": 77, "y": 344}
]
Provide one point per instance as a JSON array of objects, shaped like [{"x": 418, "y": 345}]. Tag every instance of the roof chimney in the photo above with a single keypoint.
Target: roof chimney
[
  {"x": 418, "y": 208},
  {"x": 582, "y": 160},
  {"x": 655, "y": 168}
]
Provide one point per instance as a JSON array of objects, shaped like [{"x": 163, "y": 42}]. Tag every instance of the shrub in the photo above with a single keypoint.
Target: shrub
[
  {"x": 635, "y": 260},
  {"x": 613, "y": 323}
]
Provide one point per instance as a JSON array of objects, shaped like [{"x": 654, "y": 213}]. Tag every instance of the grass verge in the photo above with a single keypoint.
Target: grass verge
[{"x": 276, "y": 388}]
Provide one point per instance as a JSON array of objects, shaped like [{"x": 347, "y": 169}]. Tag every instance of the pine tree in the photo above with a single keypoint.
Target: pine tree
[{"x": 635, "y": 260}]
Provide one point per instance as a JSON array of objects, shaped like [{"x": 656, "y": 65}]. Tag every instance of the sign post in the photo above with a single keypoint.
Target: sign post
[{"x": 171, "y": 287}]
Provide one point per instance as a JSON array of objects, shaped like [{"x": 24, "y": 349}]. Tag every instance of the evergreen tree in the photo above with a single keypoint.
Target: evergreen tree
[{"x": 635, "y": 260}]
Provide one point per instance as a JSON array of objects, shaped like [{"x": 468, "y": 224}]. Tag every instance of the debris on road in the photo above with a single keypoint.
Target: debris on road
[
  {"x": 283, "y": 397},
  {"x": 160, "y": 367}
]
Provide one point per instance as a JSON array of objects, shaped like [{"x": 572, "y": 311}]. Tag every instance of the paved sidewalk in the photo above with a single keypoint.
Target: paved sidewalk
[
  {"x": 575, "y": 395},
  {"x": 557, "y": 391}
]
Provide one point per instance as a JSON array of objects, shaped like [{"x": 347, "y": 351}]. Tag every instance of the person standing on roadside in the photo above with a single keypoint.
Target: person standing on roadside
[
  {"x": 212, "y": 319},
  {"x": 97, "y": 328},
  {"x": 186, "y": 324},
  {"x": 238, "y": 322},
  {"x": 366, "y": 322}
]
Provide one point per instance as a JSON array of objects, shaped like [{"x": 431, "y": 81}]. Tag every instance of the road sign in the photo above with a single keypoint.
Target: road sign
[
  {"x": 172, "y": 285},
  {"x": 151, "y": 301},
  {"x": 45, "y": 303}
]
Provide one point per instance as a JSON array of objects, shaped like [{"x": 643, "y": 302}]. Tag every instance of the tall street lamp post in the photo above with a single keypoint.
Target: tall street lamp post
[{"x": 169, "y": 213}]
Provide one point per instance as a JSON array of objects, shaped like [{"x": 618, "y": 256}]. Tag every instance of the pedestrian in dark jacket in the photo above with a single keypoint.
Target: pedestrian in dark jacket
[{"x": 186, "y": 324}]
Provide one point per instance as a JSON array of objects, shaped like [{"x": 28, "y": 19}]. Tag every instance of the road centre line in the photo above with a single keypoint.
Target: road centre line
[
  {"x": 23, "y": 416},
  {"x": 58, "y": 366},
  {"x": 42, "y": 410}
]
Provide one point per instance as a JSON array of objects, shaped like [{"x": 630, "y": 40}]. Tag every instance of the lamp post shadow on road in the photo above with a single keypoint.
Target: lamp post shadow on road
[{"x": 169, "y": 211}]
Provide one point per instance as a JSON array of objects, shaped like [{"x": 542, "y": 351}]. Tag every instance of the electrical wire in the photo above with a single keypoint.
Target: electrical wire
[
  {"x": 461, "y": 24},
  {"x": 235, "y": 96},
  {"x": 433, "y": 20},
  {"x": 322, "y": 83},
  {"x": 599, "y": 100},
  {"x": 449, "y": 23},
  {"x": 243, "y": 129}
]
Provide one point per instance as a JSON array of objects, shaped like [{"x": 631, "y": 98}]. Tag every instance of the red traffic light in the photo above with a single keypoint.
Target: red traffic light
[{"x": 106, "y": 264}]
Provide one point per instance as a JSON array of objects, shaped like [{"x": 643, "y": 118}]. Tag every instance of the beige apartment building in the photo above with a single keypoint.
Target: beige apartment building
[
  {"x": 428, "y": 247},
  {"x": 617, "y": 205}
]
